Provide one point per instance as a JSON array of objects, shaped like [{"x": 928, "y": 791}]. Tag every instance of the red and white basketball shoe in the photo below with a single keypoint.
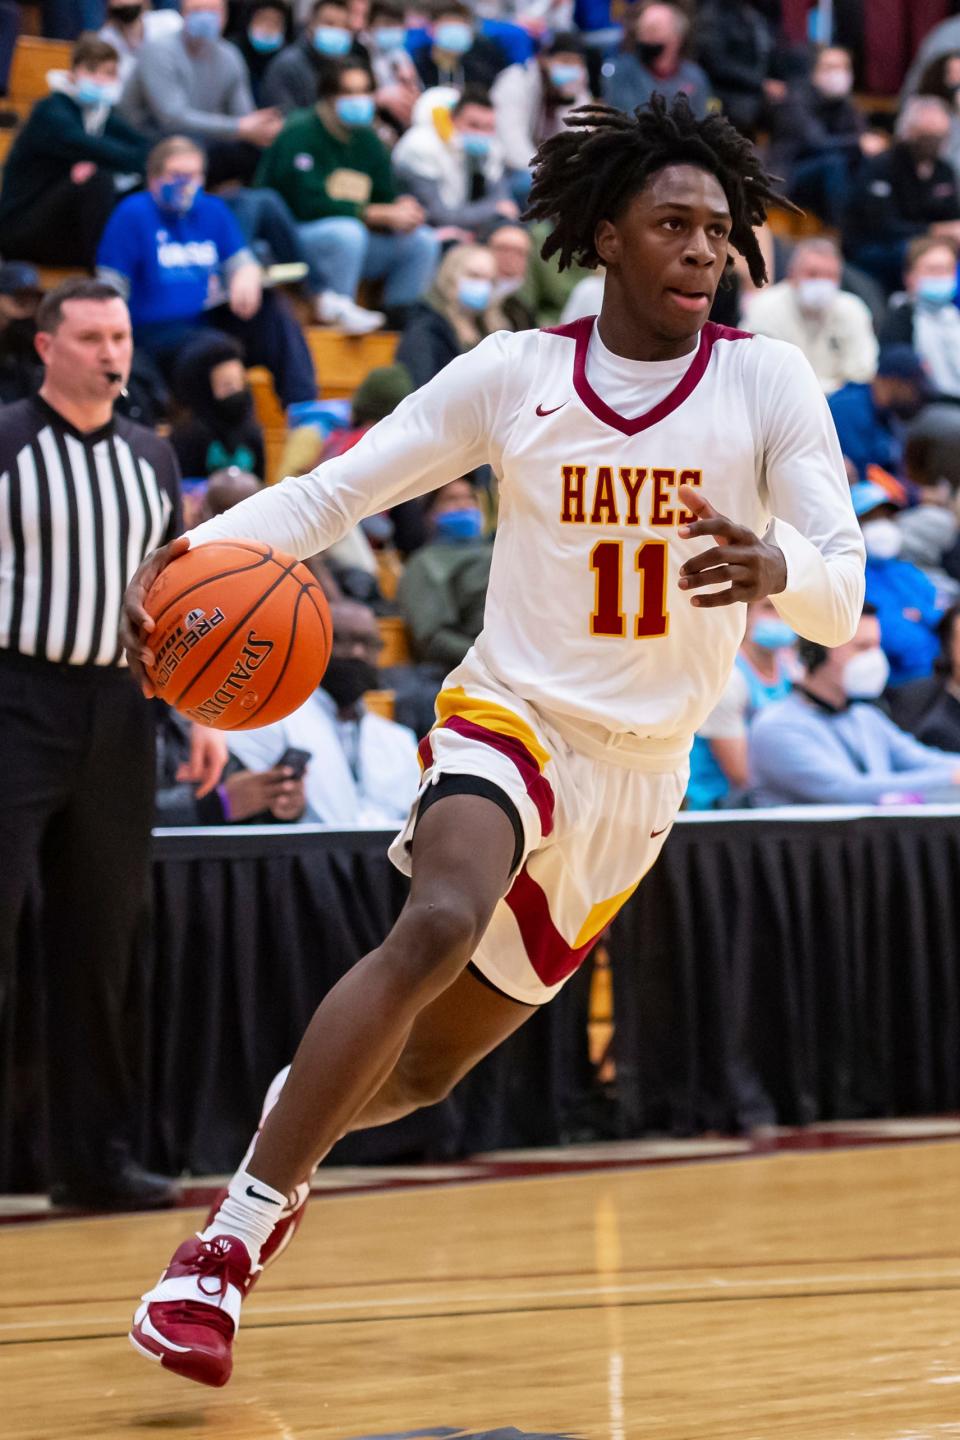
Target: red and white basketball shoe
[{"x": 187, "y": 1322}]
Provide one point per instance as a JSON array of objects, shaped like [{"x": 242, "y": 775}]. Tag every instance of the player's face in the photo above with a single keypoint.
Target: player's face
[{"x": 667, "y": 250}]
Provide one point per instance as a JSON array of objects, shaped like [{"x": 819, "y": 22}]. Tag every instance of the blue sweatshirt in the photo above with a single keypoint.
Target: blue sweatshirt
[
  {"x": 170, "y": 266},
  {"x": 909, "y": 614},
  {"x": 802, "y": 753},
  {"x": 864, "y": 438}
]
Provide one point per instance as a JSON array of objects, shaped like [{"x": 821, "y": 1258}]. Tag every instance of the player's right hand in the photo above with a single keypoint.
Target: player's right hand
[{"x": 135, "y": 623}]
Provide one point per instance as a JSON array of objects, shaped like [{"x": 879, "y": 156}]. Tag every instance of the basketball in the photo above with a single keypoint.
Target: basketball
[{"x": 243, "y": 634}]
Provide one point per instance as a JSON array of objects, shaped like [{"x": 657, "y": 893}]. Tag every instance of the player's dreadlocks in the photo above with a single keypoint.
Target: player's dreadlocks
[{"x": 589, "y": 171}]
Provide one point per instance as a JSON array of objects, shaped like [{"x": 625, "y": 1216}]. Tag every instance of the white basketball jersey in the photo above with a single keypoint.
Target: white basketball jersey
[{"x": 584, "y": 617}]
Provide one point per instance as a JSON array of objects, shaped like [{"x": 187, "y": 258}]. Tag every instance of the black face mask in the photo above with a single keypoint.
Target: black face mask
[
  {"x": 125, "y": 14},
  {"x": 649, "y": 52},
  {"x": 234, "y": 409},
  {"x": 347, "y": 677}
]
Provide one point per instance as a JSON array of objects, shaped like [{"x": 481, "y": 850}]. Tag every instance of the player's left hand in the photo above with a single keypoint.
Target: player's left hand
[
  {"x": 747, "y": 565},
  {"x": 208, "y": 755}
]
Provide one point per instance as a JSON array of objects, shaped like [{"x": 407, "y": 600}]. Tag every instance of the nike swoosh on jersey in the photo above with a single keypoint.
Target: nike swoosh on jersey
[
  {"x": 255, "y": 1195},
  {"x": 541, "y": 411},
  {"x": 655, "y": 833}
]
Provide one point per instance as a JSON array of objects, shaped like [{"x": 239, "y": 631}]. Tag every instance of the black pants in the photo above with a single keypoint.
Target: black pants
[
  {"x": 78, "y": 767},
  {"x": 272, "y": 338},
  {"x": 63, "y": 227}
]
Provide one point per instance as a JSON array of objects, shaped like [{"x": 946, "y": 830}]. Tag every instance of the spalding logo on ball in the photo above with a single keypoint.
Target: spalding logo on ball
[{"x": 243, "y": 634}]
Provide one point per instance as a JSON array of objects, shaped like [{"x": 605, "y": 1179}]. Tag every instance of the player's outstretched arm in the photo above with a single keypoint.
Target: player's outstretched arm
[{"x": 442, "y": 430}]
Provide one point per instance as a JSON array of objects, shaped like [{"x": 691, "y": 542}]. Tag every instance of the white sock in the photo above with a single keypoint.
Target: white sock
[{"x": 249, "y": 1212}]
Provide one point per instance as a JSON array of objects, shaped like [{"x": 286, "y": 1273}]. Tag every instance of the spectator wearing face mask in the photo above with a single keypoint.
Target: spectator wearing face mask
[
  {"x": 292, "y": 79},
  {"x": 263, "y": 28},
  {"x": 925, "y": 315},
  {"x": 21, "y": 373},
  {"x": 218, "y": 429},
  {"x": 363, "y": 768},
  {"x": 761, "y": 675},
  {"x": 443, "y": 588},
  {"x": 652, "y": 61},
  {"x": 902, "y": 193},
  {"x": 871, "y": 419},
  {"x": 458, "y": 180},
  {"x": 931, "y": 526},
  {"x": 817, "y": 136},
  {"x": 61, "y": 178},
  {"x": 825, "y": 744},
  {"x": 511, "y": 245},
  {"x": 395, "y": 78},
  {"x": 907, "y": 605},
  {"x": 533, "y": 100},
  {"x": 942, "y": 79},
  {"x": 177, "y": 255},
  {"x": 455, "y": 314},
  {"x": 457, "y": 55},
  {"x": 833, "y": 328},
  {"x": 334, "y": 172}
]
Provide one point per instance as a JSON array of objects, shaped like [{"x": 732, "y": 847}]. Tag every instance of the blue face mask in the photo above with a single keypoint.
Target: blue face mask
[
  {"x": 263, "y": 42},
  {"x": 354, "y": 111},
  {"x": 937, "y": 289},
  {"x": 565, "y": 77},
  {"x": 178, "y": 195},
  {"x": 474, "y": 294},
  {"x": 476, "y": 145},
  {"x": 772, "y": 634},
  {"x": 331, "y": 40},
  {"x": 389, "y": 37},
  {"x": 89, "y": 92},
  {"x": 459, "y": 524},
  {"x": 202, "y": 25},
  {"x": 454, "y": 36}
]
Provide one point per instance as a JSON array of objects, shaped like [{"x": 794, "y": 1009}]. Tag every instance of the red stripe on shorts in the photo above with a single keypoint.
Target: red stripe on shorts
[
  {"x": 538, "y": 787},
  {"x": 552, "y": 957}
]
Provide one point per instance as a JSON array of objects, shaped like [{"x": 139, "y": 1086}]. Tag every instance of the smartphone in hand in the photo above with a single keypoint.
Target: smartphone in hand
[{"x": 295, "y": 760}]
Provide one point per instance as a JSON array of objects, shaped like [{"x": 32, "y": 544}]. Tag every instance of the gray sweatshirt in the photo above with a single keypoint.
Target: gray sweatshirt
[{"x": 176, "y": 91}]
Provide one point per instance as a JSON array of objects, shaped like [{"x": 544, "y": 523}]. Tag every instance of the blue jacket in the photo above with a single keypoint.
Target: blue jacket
[
  {"x": 864, "y": 438},
  {"x": 172, "y": 265},
  {"x": 909, "y": 641}
]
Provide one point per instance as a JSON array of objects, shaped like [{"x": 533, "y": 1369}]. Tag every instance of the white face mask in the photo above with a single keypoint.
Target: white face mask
[
  {"x": 883, "y": 539},
  {"x": 865, "y": 674},
  {"x": 835, "y": 83},
  {"x": 817, "y": 295},
  {"x": 503, "y": 287}
]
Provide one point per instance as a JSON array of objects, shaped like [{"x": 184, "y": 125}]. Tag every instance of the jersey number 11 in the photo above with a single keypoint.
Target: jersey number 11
[{"x": 606, "y": 561}]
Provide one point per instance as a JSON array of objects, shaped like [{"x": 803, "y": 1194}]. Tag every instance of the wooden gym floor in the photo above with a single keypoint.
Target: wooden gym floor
[{"x": 811, "y": 1294}]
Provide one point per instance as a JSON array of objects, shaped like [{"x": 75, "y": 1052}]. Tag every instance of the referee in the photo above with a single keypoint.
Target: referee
[{"x": 84, "y": 496}]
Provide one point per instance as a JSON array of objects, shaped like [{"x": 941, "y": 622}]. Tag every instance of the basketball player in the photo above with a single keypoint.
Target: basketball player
[{"x": 656, "y": 473}]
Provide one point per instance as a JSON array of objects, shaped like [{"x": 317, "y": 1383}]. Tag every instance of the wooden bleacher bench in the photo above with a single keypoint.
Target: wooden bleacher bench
[
  {"x": 381, "y": 702},
  {"x": 342, "y": 361},
  {"x": 32, "y": 58},
  {"x": 396, "y": 641}
]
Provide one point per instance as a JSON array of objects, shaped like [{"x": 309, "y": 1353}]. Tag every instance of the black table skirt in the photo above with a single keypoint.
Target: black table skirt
[{"x": 769, "y": 970}]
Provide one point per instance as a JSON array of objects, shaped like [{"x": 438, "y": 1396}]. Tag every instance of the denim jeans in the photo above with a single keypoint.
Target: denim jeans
[
  {"x": 265, "y": 221},
  {"x": 341, "y": 252}
]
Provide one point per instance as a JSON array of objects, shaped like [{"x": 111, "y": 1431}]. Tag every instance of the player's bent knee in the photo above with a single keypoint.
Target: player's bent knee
[
  {"x": 441, "y": 931},
  {"x": 417, "y": 1086}
]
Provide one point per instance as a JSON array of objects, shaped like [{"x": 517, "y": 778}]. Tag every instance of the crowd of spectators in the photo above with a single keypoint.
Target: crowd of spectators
[{"x": 242, "y": 171}]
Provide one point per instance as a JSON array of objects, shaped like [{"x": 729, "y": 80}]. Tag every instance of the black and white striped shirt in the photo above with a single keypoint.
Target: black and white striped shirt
[{"x": 78, "y": 512}]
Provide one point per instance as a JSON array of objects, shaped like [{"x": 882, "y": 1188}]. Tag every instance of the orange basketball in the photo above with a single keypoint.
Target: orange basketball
[{"x": 243, "y": 634}]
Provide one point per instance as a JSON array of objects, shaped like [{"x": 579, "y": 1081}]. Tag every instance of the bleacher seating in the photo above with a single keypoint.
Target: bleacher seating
[
  {"x": 343, "y": 361},
  {"x": 32, "y": 58},
  {"x": 396, "y": 642}
]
